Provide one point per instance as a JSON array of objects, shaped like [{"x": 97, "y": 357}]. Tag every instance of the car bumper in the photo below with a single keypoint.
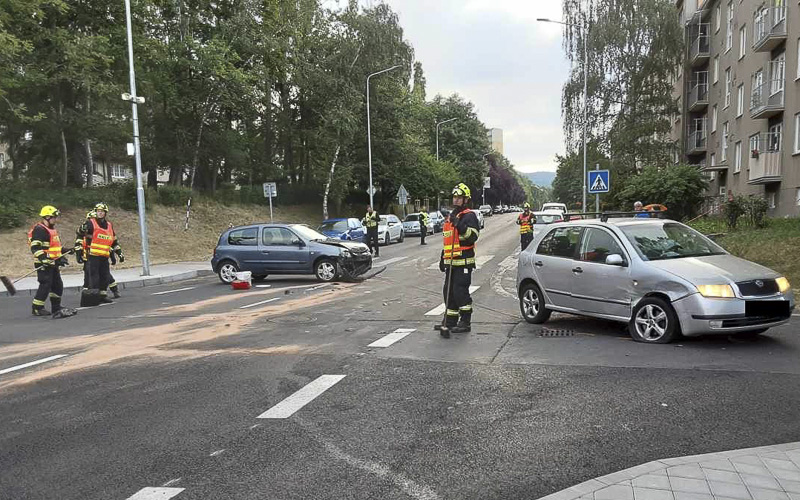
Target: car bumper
[
  {"x": 699, "y": 315},
  {"x": 355, "y": 266}
]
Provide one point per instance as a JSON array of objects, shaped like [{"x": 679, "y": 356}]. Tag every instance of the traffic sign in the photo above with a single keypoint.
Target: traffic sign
[
  {"x": 402, "y": 192},
  {"x": 487, "y": 183},
  {"x": 371, "y": 191},
  {"x": 599, "y": 181},
  {"x": 270, "y": 190}
]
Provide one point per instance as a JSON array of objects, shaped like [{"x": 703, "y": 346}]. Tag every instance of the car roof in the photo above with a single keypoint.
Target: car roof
[
  {"x": 549, "y": 212},
  {"x": 337, "y": 219}
]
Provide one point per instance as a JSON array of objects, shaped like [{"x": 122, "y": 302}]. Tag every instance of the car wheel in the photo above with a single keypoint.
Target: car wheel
[
  {"x": 654, "y": 321},
  {"x": 387, "y": 240},
  {"x": 402, "y": 236},
  {"x": 325, "y": 270},
  {"x": 531, "y": 304},
  {"x": 226, "y": 271}
]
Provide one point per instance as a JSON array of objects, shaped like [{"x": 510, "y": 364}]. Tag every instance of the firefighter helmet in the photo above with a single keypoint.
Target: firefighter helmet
[
  {"x": 462, "y": 190},
  {"x": 49, "y": 211}
]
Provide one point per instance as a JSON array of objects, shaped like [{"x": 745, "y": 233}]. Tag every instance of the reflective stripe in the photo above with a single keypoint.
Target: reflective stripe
[
  {"x": 102, "y": 239},
  {"x": 459, "y": 262},
  {"x": 452, "y": 312},
  {"x": 465, "y": 308},
  {"x": 38, "y": 302},
  {"x": 54, "y": 296},
  {"x": 52, "y": 247}
]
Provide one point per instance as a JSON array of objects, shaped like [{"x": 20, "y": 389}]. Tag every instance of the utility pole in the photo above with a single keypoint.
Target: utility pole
[{"x": 369, "y": 135}]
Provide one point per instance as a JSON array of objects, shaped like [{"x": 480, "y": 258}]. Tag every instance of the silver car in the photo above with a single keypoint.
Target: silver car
[{"x": 660, "y": 277}]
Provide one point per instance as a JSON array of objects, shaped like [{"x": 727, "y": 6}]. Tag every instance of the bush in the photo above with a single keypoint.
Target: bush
[
  {"x": 173, "y": 196},
  {"x": 753, "y": 208},
  {"x": 733, "y": 209},
  {"x": 679, "y": 187},
  {"x": 11, "y": 216}
]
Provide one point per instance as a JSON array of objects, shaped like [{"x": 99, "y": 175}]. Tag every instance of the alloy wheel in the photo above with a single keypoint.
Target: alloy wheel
[
  {"x": 530, "y": 303},
  {"x": 651, "y": 322},
  {"x": 326, "y": 271},
  {"x": 226, "y": 272}
]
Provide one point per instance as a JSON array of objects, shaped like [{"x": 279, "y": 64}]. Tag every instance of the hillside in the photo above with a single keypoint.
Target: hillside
[{"x": 544, "y": 179}]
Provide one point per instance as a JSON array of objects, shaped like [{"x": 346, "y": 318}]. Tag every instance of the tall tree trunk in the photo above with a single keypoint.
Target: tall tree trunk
[
  {"x": 196, "y": 155},
  {"x": 16, "y": 168},
  {"x": 64, "y": 156},
  {"x": 87, "y": 144},
  {"x": 328, "y": 184},
  {"x": 288, "y": 147}
]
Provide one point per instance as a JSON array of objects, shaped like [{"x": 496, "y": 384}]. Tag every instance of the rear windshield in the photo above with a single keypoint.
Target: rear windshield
[
  {"x": 338, "y": 225},
  {"x": 412, "y": 218}
]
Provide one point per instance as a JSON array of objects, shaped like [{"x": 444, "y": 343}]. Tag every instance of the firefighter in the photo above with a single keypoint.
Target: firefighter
[
  {"x": 100, "y": 241},
  {"x": 371, "y": 224},
  {"x": 46, "y": 249},
  {"x": 525, "y": 223},
  {"x": 423, "y": 225},
  {"x": 82, "y": 256},
  {"x": 457, "y": 261}
]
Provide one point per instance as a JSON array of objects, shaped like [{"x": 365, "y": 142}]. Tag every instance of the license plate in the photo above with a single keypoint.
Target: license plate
[{"x": 766, "y": 308}]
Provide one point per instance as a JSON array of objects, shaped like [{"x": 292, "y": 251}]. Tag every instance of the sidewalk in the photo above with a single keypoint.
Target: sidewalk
[
  {"x": 765, "y": 473},
  {"x": 127, "y": 278}
]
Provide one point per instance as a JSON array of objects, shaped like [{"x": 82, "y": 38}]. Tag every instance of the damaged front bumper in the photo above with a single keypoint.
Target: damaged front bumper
[{"x": 353, "y": 267}]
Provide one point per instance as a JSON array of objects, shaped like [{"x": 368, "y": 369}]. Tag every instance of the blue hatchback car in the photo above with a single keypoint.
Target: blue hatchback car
[
  {"x": 348, "y": 229},
  {"x": 265, "y": 249}
]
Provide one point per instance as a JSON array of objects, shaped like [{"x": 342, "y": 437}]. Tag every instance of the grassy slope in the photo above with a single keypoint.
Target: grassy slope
[{"x": 168, "y": 241}]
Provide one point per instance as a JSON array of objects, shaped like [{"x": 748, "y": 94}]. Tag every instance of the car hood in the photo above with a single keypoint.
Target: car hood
[
  {"x": 332, "y": 234},
  {"x": 349, "y": 245},
  {"x": 713, "y": 269}
]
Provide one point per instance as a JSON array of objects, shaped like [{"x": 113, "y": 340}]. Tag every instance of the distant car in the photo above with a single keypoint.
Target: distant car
[
  {"x": 554, "y": 206},
  {"x": 514, "y": 208},
  {"x": 661, "y": 277},
  {"x": 486, "y": 210},
  {"x": 542, "y": 219},
  {"x": 438, "y": 221},
  {"x": 411, "y": 225},
  {"x": 390, "y": 229},
  {"x": 265, "y": 249},
  {"x": 481, "y": 218},
  {"x": 498, "y": 209},
  {"x": 348, "y": 229}
]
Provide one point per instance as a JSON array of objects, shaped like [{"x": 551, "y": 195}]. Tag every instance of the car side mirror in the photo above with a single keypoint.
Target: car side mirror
[
  {"x": 615, "y": 260},
  {"x": 298, "y": 242}
]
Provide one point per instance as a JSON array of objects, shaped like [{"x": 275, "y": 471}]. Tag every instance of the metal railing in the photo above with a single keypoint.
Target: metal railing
[
  {"x": 769, "y": 22},
  {"x": 698, "y": 95},
  {"x": 700, "y": 47},
  {"x": 696, "y": 140},
  {"x": 767, "y": 96}
]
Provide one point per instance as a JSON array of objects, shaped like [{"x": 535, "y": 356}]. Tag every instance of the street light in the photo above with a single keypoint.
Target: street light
[
  {"x": 369, "y": 133},
  {"x": 136, "y": 100},
  {"x": 483, "y": 192},
  {"x": 437, "y": 134},
  {"x": 585, "y": 90}
]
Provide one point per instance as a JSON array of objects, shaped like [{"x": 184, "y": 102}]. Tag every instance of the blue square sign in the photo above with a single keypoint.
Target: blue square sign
[{"x": 599, "y": 181}]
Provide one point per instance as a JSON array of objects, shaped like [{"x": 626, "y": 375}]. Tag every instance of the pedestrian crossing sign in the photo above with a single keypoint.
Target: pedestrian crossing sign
[{"x": 599, "y": 181}]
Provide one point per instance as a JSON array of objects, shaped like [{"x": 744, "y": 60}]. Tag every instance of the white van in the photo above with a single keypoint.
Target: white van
[{"x": 554, "y": 206}]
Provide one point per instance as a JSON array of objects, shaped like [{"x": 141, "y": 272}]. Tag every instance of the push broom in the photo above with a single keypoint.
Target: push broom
[{"x": 12, "y": 290}]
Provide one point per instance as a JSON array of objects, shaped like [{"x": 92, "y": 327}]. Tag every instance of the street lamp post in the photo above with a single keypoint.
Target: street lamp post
[
  {"x": 585, "y": 30},
  {"x": 135, "y": 100},
  {"x": 483, "y": 193},
  {"x": 437, "y": 134},
  {"x": 369, "y": 134}
]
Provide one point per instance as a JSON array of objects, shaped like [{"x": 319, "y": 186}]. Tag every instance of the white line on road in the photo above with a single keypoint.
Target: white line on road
[
  {"x": 32, "y": 363},
  {"x": 217, "y": 453},
  {"x": 248, "y": 306},
  {"x": 155, "y": 493},
  {"x": 441, "y": 308},
  {"x": 175, "y": 291},
  {"x": 299, "y": 399},
  {"x": 392, "y": 261},
  {"x": 393, "y": 337},
  {"x": 263, "y": 286}
]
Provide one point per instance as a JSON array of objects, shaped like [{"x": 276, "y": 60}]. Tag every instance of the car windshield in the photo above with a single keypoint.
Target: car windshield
[
  {"x": 334, "y": 225},
  {"x": 412, "y": 218},
  {"x": 308, "y": 233},
  {"x": 669, "y": 241},
  {"x": 548, "y": 219},
  {"x": 384, "y": 219}
]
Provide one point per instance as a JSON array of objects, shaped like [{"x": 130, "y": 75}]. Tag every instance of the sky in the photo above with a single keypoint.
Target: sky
[{"x": 495, "y": 54}]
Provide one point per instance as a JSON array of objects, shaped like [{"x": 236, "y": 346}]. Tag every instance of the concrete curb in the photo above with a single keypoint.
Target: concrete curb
[{"x": 139, "y": 283}]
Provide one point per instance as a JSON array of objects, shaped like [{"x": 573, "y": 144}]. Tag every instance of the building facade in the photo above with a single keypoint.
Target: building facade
[
  {"x": 738, "y": 92},
  {"x": 496, "y": 139}
]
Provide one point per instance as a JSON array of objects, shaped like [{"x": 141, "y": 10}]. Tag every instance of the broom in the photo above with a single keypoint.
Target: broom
[{"x": 12, "y": 290}]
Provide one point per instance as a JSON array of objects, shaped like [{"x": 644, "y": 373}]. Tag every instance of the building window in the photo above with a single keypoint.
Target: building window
[
  {"x": 728, "y": 83},
  {"x": 724, "y": 142},
  {"x": 717, "y": 18},
  {"x": 722, "y": 190},
  {"x": 797, "y": 133},
  {"x": 771, "y": 199},
  {"x": 713, "y": 159},
  {"x": 755, "y": 145},
  {"x": 777, "y": 74},
  {"x": 742, "y": 41},
  {"x": 740, "y": 100},
  {"x": 737, "y": 157},
  {"x": 716, "y": 69},
  {"x": 775, "y": 138},
  {"x": 714, "y": 118},
  {"x": 117, "y": 171},
  {"x": 729, "y": 28}
]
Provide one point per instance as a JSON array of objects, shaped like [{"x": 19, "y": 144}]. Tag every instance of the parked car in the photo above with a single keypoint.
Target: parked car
[
  {"x": 498, "y": 209},
  {"x": 554, "y": 206},
  {"x": 660, "y": 277},
  {"x": 411, "y": 225},
  {"x": 349, "y": 229},
  {"x": 481, "y": 218},
  {"x": 438, "y": 221},
  {"x": 486, "y": 210},
  {"x": 265, "y": 249},
  {"x": 543, "y": 219},
  {"x": 390, "y": 229}
]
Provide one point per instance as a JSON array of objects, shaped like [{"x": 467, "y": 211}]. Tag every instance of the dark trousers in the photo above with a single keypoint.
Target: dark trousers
[
  {"x": 457, "y": 299},
  {"x": 99, "y": 273},
  {"x": 372, "y": 241},
  {"x": 525, "y": 240},
  {"x": 50, "y": 284},
  {"x": 423, "y": 232}
]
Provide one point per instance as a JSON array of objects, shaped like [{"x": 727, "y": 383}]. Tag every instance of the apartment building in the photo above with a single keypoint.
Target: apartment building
[
  {"x": 495, "y": 136},
  {"x": 739, "y": 96}
]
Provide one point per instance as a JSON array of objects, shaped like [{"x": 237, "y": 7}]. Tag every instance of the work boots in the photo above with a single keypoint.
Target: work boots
[
  {"x": 40, "y": 311},
  {"x": 116, "y": 293}
]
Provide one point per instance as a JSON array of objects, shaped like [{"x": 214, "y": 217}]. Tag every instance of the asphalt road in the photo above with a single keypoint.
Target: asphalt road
[{"x": 163, "y": 389}]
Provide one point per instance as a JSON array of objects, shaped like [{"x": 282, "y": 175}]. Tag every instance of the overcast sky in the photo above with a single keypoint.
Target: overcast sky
[{"x": 495, "y": 54}]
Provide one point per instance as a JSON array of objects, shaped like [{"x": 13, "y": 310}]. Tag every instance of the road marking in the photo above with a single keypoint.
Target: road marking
[
  {"x": 171, "y": 482},
  {"x": 318, "y": 287},
  {"x": 263, "y": 286},
  {"x": 393, "y": 337},
  {"x": 248, "y": 306},
  {"x": 217, "y": 453},
  {"x": 392, "y": 261},
  {"x": 441, "y": 308},
  {"x": 32, "y": 363},
  {"x": 175, "y": 291},
  {"x": 155, "y": 493},
  {"x": 496, "y": 280},
  {"x": 299, "y": 399}
]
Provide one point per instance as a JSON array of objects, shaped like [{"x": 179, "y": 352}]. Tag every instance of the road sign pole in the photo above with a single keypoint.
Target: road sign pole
[
  {"x": 270, "y": 207},
  {"x": 597, "y": 197}
]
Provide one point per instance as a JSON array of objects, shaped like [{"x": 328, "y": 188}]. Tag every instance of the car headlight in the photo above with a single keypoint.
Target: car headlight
[
  {"x": 346, "y": 253},
  {"x": 783, "y": 284},
  {"x": 716, "y": 291}
]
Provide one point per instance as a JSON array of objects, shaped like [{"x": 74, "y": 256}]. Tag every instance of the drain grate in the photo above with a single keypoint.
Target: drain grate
[{"x": 546, "y": 332}]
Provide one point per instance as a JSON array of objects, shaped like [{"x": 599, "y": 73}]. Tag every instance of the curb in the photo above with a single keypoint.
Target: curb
[{"x": 139, "y": 283}]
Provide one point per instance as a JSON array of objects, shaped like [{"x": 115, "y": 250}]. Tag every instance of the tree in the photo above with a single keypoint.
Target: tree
[
  {"x": 679, "y": 187},
  {"x": 568, "y": 184}
]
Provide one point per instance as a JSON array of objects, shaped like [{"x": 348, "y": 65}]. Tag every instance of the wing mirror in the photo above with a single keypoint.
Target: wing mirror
[
  {"x": 298, "y": 242},
  {"x": 615, "y": 260}
]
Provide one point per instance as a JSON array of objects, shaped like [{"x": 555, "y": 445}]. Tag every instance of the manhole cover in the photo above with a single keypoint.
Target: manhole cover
[
  {"x": 292, "y": 318},
  {"x": 546, "y": 332}
]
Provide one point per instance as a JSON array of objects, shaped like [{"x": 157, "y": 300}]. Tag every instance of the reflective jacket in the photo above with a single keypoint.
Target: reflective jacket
[
  {"x": 525, "y": 223},
  {"x": 423, "y": 219},
  {"x": 460, "y": 235},
  {"x": 102, "y": 239},
  {"x": 371, "y": 220},
  {"x": 86, "y": 236},
  {"x": 45, "y": 243}
]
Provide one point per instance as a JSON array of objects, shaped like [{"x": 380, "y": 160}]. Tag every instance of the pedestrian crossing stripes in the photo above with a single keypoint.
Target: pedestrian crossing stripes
[
  {"x": 393, "y": 337},
  {"x": 440, "y": 309},
  {"x": 393, "y": 260},
  {"x": 480, "y": 261},
  {"x": 155, "y": 493},
  {"x": 299, "y": 399}
]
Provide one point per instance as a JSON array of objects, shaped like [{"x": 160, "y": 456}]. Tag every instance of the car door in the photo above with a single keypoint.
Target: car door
[
  {"x": 598, "y": 287},
  {"x": 284, "y": 251},
  {"x": 395, "y": 227},
  {"x": 243, "y": 245},
  {"x": 357, "y": 231},
  {"x": 554, "y": 262}
]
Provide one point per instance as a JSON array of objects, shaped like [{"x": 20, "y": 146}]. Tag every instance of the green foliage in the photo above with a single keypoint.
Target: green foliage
[
  {"x": 679, "y": 187},
  {"x": 753, "y": 208},
  {"x": 172, "y": 196},
  {"x": 568, "y": 184}
]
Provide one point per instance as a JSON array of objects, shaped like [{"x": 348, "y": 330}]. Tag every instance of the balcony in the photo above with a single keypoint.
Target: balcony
[
  {"x": 769, "y": 28},
  {"x": 766, "y": 168},
  {"x": 700, "y": 51},
  {"x": 698, "y": 97},
  {"x": 696, "y": 142},
  {"x": 767, "y": 100},
  {"x": 719, "y": 167}
]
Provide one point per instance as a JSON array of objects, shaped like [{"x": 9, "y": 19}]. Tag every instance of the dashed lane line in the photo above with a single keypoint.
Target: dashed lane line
[
  {"x": 155, "y": 493},
  {"x": 248, "y": 306},
  {"x": 393, "y": 337},
  {"x": 480, "y": 261},
  {"x": 299, "y": 399},
  {"x": 393, "y": 261},
  {"x": 441, "y": 308},
  {"x": 32, "y": 363},
  {"x": 176, "y": 291}
]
